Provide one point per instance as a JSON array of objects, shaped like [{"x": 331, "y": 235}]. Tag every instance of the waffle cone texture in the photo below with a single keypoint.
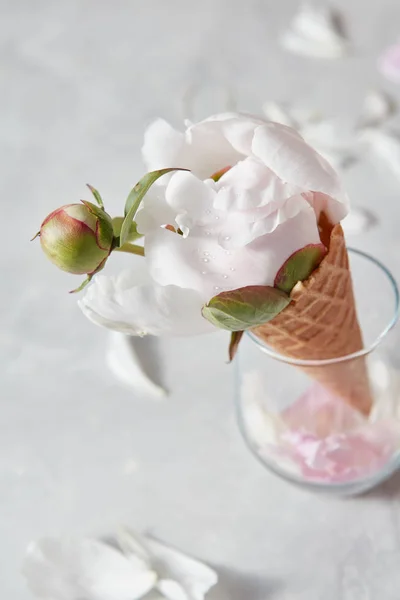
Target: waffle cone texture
[{"x": 321, "y": 323}]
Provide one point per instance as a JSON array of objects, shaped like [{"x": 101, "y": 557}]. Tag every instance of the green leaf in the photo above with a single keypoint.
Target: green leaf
[
  {"x": 299, "y": 267},
  {"x": 236, "y": 336},
  {"x": 83, "y": 285},
  {"x": 245, "y": 307},
  {"x": 96, "y": 194},
  {"x": 136, "y": 196},
  {"x": 133, "y": 232}
]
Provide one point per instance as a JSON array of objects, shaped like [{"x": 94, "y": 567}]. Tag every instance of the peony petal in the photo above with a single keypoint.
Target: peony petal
[
  {"x": 239, "y": 131},
  {"x": 172, "y": 590},
  {"x": 133, "y": 304},
  {"x": 123, "y": 360},
  {"x": 295, "y": 162},
  {"x": 250, "y": 184},
  {"x": 163, "y": 146},
  {"x": 194, "y": 577},
  {"x": 201, "y": 263},
  {"x": 315, "y": 31},
  {"x": 191, "y": 199},
  {"x": 154, "y": 211},
  {"x": 69, "y": 569}
]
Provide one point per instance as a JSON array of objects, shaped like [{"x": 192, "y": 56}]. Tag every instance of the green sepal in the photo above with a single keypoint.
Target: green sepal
[
  {"x": 299, "y": 267},
  {"x": 133, "y": 232},
  {"x": 104, "y": 229},
  {"x": 83, "y": 285},
  {"x": 136, "y": 196},
  {"x": 245, "y": 308},
  {"x": 236, "y": 336},
  {"x": 96, "y": 195}
]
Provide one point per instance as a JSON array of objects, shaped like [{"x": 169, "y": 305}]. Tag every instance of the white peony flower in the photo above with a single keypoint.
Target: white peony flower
[
  {"x": 77, "y": 569},
  {"x": 252, "y": 198}
]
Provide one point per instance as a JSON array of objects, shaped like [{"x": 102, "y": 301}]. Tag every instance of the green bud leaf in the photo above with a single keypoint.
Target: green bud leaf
[
  {"x": 236, "y": 336},
  {"x": 96, "y": 195},
  {"x": 136, "y": 196},
  {"x": 83, "y": 285},
  {"x": 245, "y": 307},
  {"x": 133, "y": 232},
  {"x": 299, "y": 267}
]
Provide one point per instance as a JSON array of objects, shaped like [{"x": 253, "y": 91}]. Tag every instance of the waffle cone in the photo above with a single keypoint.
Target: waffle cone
[{"x": 321, "y": 323}]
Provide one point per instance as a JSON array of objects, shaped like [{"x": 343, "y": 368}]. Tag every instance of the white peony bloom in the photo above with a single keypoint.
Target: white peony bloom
[
  {"x": 252, "y": 198},
  {"x": 77, "y": 569}
]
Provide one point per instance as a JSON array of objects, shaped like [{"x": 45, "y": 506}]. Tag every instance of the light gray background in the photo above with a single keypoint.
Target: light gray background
[{"x": 80, "y": 79}]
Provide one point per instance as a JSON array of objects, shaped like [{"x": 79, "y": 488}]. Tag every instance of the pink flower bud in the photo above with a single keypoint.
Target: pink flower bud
[{"x": 77, "y": 237}]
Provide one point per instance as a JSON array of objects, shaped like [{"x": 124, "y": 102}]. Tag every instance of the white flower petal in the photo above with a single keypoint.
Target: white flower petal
[
  {"x": 190, "y": 197},
  {"x": 315, "y": 32},
  {"x": 172, "y": 590},
  {"x": 69, "y": 569},
  {"x": 378, "y": 107},
  {"x": 194, "y": 577},
  {"x": 123, "y": 360},
  {"x": 250, "y": 184},
  {"x": 154, "y": 212},
  {"x": 385, "y": 146},
  {"x": 133, "y": 304},
  {"x": 133, "y": 544},
  {"x": 202, "y": 264},
  {"x": 239, "y": 131},
  {"x": 163, "y": 146},
  {"x": 295, "y": 162}
]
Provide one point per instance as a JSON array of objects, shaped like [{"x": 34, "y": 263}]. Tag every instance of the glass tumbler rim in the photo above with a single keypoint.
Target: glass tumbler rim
[{"x": 347, "y": 357}]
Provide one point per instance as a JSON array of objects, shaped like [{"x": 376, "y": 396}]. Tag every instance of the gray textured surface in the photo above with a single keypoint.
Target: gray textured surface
[{"x": 78, "y": 453}]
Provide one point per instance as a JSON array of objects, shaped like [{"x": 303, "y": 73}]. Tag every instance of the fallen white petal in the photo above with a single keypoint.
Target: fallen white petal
[
  {"x": 172, "y": 590},
  {"x": 195, "y": 578},
  {"x": 358, "y": 221},
  {"x": 385, "y": 146},
  {"x": 377, "y": 107},
  {"x": 133, "y": 544},
  {"x": 72, "y": 569},
  {"x": 122, "y": 359},
  {"x": 315, "y": 32},
  {"x": 279, "y": 114}
]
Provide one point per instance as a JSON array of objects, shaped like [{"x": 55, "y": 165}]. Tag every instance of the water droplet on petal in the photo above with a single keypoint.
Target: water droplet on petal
[
  {"x": 205, "y": 260},
  {"x": 231, "y": 269},
  {"x": 216, "y": 287},
  {"x": 217, "y": 218},
  {"x": 206, "y": 253},
  {"x": 225, "y": 276},
  {"x": 208, "y": 212},
  {"x": 204, "y": 272},
  {"x": 227, "y": 237}
]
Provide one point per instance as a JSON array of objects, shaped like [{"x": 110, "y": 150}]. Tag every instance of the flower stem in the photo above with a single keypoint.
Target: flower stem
[{"x": 131, "y": 249}]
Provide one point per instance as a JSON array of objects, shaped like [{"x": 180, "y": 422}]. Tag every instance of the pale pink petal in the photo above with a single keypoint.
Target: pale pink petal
[
  {"x": 200, "y": 262},
  {"x": 293, "y": 161},
  {"x": 250, "y": 184},
  {"x": 239, "y": 131},
  {"x": 242, "y": 227},
  {"x": 390, "y": 63}
]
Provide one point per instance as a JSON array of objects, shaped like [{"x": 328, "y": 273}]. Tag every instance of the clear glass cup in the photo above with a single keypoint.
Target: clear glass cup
[{"x": 302, "y": 431}]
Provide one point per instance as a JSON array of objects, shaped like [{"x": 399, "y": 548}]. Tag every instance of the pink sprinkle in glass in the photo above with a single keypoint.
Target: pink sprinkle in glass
[{"x": 304, "y": 433}]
